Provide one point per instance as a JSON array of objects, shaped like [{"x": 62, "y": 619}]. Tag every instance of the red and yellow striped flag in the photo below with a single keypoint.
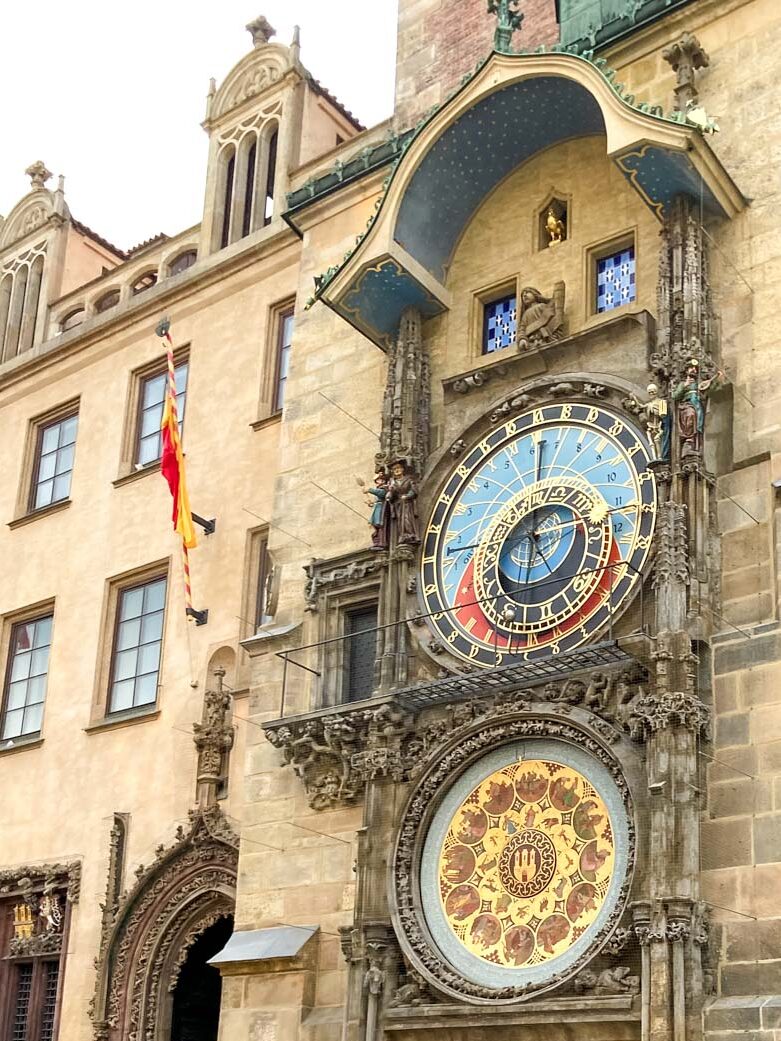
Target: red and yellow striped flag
[{"x": 172, "y": 458}]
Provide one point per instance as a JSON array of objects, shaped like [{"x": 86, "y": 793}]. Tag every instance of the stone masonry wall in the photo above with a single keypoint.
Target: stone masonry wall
[{"x": 439, "y": 42}]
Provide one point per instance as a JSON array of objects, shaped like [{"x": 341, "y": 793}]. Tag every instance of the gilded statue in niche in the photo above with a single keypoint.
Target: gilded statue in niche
[
  {"x": 540, "y": 318},
  {"x": 526, "y": 863}
]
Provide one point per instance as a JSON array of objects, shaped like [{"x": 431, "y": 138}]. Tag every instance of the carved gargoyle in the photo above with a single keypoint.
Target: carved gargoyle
[
  {"x": 541, "y": 318},
  {"x": 610, "y": 981}
]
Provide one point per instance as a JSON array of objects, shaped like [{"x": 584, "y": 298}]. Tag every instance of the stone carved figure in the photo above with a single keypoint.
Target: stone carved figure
[
  {"x": 379, "y": 519},
  {"x": 655, "y": 414},
  {"x": 508, "y": 19},
  {"x": 555, "y": 228},
  {"x": 691, "y": 399},
  {"x": 541, "y": 318},
  {"x": 610, "y": 981},
  {"x": 402, "y": 496}
]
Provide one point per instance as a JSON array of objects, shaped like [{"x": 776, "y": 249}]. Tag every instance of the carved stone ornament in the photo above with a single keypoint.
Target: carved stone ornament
[
  {"x": 618, "y": 980},
  {"x": 406, "y": 407},
  {"x": 261, "y": 31},
  {"x": 655, "y": 712},
  {"x": 325, "y": 575},
  {"x": 334, "y": 755},
  {"x": 190, "y": 885},
  {"x": 38, "y": 174},
  {"x": 32, "y": 880},
  {"x": 685, "y": 57},
  {"x": 462, "y": 747},
  {"x": 213, "y": 738}
]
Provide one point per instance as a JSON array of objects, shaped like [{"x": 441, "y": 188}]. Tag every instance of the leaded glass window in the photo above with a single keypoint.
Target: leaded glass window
[
  {"x": 54, "y": 462},
  {"x": 499, "y": 324},
  {"x": 153, "y": 390},
  {"x": 616, "y": 280},
  {"x": 135, "y": 662},
  {"x": 25, "y": 687}
]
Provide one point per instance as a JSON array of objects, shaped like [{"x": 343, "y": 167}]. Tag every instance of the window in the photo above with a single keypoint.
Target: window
[
  {"x": 360, "y": 652},
  {"x": 150, "y": 412},
  {"x": 138, "y": 637},
  {"x": 107, "y": 301},
  {"x": 25, "y": 681},
  {"x": 499, "y": 323},
  {"x": 271, "y": 176},
  {"x": 182, "y": 262},
  {"x": 72, "y": 319},
  {"x": 615, "y": 280},
  {"x": 227, "y": 206},
  {"x": 146, "y": 281},
  {"x": 53, "y": 465},
  {"x": 249, "y": 190},
  {"x": 263, "y": 577},
  {"x": 284, "y": 342}
]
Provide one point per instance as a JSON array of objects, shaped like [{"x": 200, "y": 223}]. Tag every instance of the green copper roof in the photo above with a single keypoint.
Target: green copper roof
[{"x": 596, "y": 23}]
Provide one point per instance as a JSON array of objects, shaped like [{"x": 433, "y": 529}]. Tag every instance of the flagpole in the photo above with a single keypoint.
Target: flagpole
[{"x": 163, "y": 331}]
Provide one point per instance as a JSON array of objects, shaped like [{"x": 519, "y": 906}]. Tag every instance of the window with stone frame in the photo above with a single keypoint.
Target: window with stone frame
[
  {"x": 137, "y": 645},
  {"x": 55, "y": 448},
  {"x": 26, "y": 675},
  {"x": 32, "y": 928},
  {"x": 283, "y": 335},
  {"x": 342, "y": 596},
  {"x": 151, "y": 401}
]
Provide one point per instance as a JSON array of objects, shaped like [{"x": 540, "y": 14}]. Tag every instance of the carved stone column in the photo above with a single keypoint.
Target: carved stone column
[
  {"x": 406, "y": 418},
  {"x": 214, "y": 740}
]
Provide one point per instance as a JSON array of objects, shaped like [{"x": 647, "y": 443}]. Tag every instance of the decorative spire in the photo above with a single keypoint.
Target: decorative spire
[
  {"x": 685, "y": 57},
  {"x": 38, "y": 174},
  {"x": 295, "y": 46},
  {"x": 261, "y": 31},
  {"x": 508, "y": 19}
]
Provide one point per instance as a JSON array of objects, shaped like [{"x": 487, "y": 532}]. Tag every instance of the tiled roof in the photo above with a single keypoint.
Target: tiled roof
[
  {"x": 90, "y": 234},
  {"x": 153, "y": 241},
  {"x": 318, "y": 88}
]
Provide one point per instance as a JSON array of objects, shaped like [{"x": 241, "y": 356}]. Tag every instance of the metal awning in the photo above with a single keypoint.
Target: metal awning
[{"x": 279, "y": 941}]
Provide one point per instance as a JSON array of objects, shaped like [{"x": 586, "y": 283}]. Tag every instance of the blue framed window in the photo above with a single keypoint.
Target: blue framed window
[
  {"x": 616, "y": 283},
  {"x": 499, "y": 324}
]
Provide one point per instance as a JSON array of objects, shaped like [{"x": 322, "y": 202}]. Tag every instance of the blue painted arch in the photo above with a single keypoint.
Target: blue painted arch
[{"x": 476, "y": 152}]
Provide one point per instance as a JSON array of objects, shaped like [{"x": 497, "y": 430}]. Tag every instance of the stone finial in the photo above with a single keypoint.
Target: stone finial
[
  {"x": 508, "y": 19},
  {"x": 685, "y": 56},
  {"x": 261, "y": 30},
  {"x": 38, "y": 174}
]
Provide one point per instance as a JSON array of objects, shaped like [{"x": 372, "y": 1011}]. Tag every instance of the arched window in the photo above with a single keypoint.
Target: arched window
[
  {"x": 72, "y": 319},
  {"x": 182, "y": 262},
  {"x": 15, "y": 313},
  {"x": 144, "y": 282},
  {"x": 30, "y": 312},
  {"x": 249, "y": 189},
  {"x": 6, "y": 287},
  {"x": 271, "y": 172},
  {"x": 227, "y": 205},
  {"x": 107, "y": 301}
]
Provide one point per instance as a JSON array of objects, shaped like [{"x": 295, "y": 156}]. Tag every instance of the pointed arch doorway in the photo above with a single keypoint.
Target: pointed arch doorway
[
  {"x": 195, "y": 999},
  {"x": 176, "y": 917}
]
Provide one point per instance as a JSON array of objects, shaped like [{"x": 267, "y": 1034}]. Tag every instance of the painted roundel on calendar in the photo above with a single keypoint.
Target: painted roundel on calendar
[{"x": 540, "y": 535}]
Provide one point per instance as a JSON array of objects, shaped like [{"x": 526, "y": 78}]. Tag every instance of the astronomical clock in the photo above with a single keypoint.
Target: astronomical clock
[{"x": 516, "y": 850}]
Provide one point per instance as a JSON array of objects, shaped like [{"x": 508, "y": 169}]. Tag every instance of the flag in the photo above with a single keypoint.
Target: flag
[{"x": 172, "y": 460}]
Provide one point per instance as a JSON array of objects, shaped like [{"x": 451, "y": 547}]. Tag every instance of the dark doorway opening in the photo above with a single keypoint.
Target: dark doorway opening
[{"x": 196, "y": 1005}]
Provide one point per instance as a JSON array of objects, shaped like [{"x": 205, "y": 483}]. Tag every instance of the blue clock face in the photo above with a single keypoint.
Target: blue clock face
[{"x": 539, "y": 535}]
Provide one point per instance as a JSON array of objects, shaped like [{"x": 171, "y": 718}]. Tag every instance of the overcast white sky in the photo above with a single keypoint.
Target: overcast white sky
[{"x": 112, "y": 95}]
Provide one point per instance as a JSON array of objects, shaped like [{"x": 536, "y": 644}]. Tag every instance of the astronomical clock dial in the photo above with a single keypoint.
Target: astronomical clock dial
[
  {"x": 525, "y": 864},
  {"x": 539, "y": 534}
]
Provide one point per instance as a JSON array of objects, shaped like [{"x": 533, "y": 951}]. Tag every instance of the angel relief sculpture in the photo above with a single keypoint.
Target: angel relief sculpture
[{"x": 541, "y": 318}]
